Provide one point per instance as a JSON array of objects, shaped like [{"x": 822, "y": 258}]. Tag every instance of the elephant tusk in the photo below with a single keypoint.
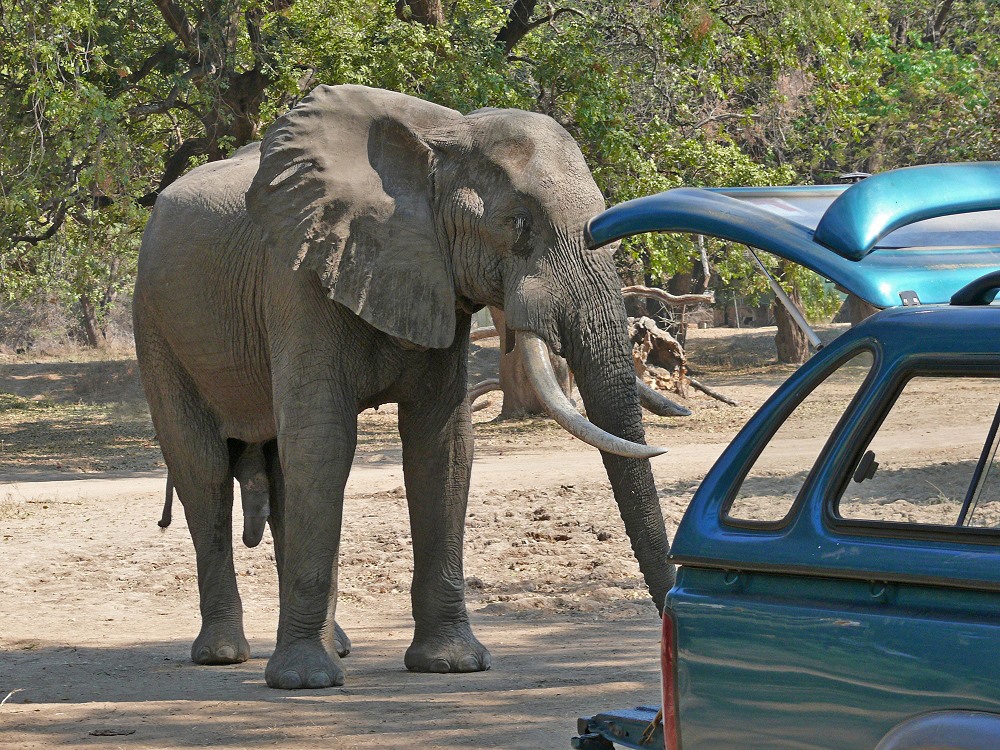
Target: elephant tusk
[
  {"x": 655, "y": 402},
  {"x": 543, "y": 380}
]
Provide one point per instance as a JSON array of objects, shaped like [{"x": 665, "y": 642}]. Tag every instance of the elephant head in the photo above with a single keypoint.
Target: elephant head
[{"x": 409, "y": 212}]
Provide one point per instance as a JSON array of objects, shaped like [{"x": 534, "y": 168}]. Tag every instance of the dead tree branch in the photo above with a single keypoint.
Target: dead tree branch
[
  {"x": 709, "y": 392},
  {"x": 487, "y": 332},
  {"x": 675, "y": 300}
]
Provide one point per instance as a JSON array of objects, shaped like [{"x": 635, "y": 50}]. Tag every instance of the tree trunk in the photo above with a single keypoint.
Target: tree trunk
[
  {"x": 790, "y": 341},
  {"x": 517, "y": 26},
  {"x": 858, "y": 309},
  {"x": 425, "y": 12},
  {"x": 519, "y": 399},
  {"x": 88, "y": 314}
]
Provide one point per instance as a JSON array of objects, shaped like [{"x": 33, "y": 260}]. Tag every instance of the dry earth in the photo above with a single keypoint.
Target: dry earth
[{"x": 100, "y": 605}]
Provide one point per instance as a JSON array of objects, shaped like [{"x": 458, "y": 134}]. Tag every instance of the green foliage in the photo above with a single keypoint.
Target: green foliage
[{"x": 100, "y": 99}]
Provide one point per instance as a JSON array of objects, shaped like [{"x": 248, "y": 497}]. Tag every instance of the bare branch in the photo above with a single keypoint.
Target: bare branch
[
  {"x": 553, "y": 15},
  {"x": 940, "y": 21},
  {"x": 56, "y": 221},
  {"x": 178, "y": 22},
  {"x": 710, "y": 392},
  {"x": 667, "y": 298},
  {"x": 488, "y": 332},
  {"x": 164, "y": 54},
  {"x": 142, "y": 111},
  {"x": 725, "y": 116}
]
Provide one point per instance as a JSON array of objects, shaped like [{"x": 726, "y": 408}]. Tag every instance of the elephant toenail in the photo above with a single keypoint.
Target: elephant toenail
[
  {"x": 441, "y": 666},
  {"x": 290, "y": 680},
  {"x": 319, "y": 680},
  {"x": 227, "y": 652},
  {"x": 469, "y": 664}
]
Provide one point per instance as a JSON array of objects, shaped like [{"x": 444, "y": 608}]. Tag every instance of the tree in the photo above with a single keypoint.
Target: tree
[
  {"x": 105, "y": 102},
  {"x": 115, "y": 96}
]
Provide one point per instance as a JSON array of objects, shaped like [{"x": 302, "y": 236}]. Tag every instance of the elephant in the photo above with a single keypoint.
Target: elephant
[{"x": 335, "y": 267}]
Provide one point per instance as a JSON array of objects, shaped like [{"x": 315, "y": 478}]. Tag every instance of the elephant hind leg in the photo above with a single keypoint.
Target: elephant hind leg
[{"x": 198, "y": 461}]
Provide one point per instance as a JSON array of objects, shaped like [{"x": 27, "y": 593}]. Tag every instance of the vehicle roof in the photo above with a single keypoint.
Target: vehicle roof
[
  {"x": 926, "y": 229},
  {"x": 964, "y": 339}
]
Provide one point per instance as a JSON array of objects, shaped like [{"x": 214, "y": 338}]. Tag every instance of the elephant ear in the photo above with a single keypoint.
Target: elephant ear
[{"x": 344, "y": 187}]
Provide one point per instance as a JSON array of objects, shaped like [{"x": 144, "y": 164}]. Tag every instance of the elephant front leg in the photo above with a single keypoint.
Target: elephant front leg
[
  {"x": 437, "y": 465},
  {"x": 276, "y": 520},
  {"x": 316, "y": 460}
]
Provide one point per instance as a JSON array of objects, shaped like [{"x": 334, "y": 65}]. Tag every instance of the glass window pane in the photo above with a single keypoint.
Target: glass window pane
[
  {"x": 774, "y": 480},
  {"x": 984, "y": 512},
  {"x": 919, "y": 466}
]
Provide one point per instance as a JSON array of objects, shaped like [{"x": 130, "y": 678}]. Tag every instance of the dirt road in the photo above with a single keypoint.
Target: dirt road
[{"x": 99, "y": 606}]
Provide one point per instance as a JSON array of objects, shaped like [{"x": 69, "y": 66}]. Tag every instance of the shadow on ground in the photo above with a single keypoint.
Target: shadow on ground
[{"x": 544, "y": 676}]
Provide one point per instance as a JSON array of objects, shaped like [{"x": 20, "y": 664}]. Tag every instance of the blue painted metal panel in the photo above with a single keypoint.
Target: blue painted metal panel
[
  {"x": 806, "y": 204},
  {"x": 812, "y": 542},
  {"x": 969, "y": 730},
  {"x": 770, "y": 661},
  {"x": 933, "y": 258},
  {"x": 874, "y": 207}
]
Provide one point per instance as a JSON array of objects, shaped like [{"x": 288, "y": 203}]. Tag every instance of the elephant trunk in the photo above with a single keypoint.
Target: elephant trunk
[
  {"x": 594, "y": 342},
  {"x": 579, "y": 312},
  {"x": 609, "y": 393}
]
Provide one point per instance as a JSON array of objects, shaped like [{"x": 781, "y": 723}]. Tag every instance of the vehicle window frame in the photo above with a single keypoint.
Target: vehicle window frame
[
  {"x": 819, "y": 378},
  {"x": 922, "y": 366}
]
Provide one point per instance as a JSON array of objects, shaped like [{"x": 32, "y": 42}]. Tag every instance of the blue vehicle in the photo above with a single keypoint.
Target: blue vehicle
[{"x": 838, "y": 569}]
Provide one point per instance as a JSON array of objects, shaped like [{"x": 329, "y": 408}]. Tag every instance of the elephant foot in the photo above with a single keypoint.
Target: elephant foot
[
  {"x": 447, "y": 649},
  {"x": 341, "y": 642},
  {"x": 220, "y": 644},
  {"x": 303, "y": 665}
]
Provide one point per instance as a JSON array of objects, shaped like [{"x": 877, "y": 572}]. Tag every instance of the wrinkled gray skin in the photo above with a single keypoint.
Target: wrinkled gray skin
[
  {"x": 251, "y": 472},
  {"x": 280, "y": 300}
]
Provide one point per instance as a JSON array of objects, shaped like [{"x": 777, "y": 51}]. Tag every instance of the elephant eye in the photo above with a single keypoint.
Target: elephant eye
[{"x": 521, "y": 223}]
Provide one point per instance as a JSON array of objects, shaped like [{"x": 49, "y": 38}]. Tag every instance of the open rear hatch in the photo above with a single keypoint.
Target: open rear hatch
[{"x": 919, "y": 233}]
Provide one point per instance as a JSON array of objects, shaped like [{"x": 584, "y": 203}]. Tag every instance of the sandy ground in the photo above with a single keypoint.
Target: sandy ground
[
  {"x": 99, "y": 605},
  {"x": 99, "y": 608}
]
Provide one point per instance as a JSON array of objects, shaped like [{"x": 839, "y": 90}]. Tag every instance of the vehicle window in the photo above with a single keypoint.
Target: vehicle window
[
  {"x": 932, "y": 461},
  {"x": 774, "y": 480}
]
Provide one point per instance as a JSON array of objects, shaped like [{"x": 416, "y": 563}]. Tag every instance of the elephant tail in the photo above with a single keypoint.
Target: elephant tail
[{"x": 168, "y": 504}]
